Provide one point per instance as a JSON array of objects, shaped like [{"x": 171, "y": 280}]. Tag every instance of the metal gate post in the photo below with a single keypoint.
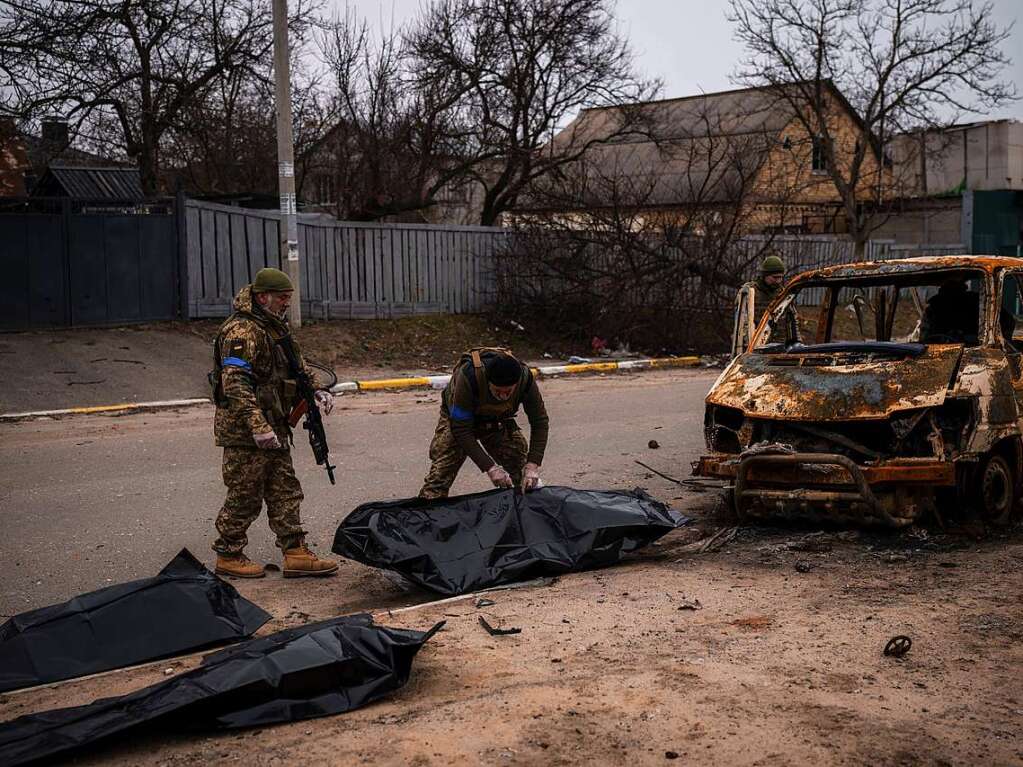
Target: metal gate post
[
  {"x": 180, "y": 217},
  {"x": 65, "y": 241}
]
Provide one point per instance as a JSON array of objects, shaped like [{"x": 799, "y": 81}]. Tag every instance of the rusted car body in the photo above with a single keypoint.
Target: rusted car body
[{"x": 876, "y": 393}]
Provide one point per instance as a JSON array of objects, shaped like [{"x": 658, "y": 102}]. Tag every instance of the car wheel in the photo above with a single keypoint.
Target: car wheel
[{"x": 996, "y": 490}]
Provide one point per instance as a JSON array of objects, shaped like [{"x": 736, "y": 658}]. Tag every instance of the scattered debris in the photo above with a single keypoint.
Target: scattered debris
[
  {"x": 898, "y": 646},
  {"x": 316, "y": 670},
  {"x": 653, "y": 444},
  {"x": 575, "y": 360},
  {"x": 713, "y": 543},
  {"x": 689, "y": 604},
  {"x": 753, "y": 623},
  {"x": 184, "y": 608},
  {"x": 497, "y": 632},
  {"x": 468, "y": 543},
  {"x": 819, "y": 543},
  {"x": 484, "y": 603}
]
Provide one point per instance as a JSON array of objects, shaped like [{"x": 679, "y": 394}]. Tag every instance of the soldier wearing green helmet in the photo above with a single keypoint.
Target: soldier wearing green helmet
[
  {"x": 753, "y": 299},
  {"x": 254, "y": 392}
]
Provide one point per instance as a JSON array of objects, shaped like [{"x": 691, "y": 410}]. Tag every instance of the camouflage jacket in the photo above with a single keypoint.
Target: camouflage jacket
[{"x": 256, "y": 388}]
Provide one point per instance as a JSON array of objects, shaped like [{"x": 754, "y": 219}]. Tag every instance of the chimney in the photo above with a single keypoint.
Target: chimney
[{"x": 55, "y": 132}]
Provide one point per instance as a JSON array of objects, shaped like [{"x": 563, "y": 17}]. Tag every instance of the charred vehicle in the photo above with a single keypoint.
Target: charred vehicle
[{"x": 875, "y": 393}]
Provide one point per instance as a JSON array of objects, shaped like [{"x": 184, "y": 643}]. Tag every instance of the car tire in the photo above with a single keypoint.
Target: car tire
[{"x": 995, "y": 490}]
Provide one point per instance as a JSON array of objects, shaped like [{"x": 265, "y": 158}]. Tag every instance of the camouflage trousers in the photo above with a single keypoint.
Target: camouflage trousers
[
  {"x": 507, "y": 446},
  {"x": 252, "y": 476}
]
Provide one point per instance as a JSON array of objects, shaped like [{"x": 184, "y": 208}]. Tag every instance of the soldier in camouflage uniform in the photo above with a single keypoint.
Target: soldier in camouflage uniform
[
  {"x": 764, "y": 290},
  {"x": 254, "y": 397},
  {"x": 477, "y": 419}
]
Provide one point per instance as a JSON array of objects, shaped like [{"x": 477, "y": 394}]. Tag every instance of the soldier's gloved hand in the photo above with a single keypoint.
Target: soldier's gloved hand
[
  {"x": 531, "y": 477},
  {"x": 267, "y": 441},
  {"x": 325, "y": 400},
  {"x": 499, "y": 476}
]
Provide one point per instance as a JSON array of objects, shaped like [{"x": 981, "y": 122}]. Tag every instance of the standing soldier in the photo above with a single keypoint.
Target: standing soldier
[
  {"x": 254, "y": 395},
  {"x": 477, "y": 419},
  {"x": 753, "y": 299}
]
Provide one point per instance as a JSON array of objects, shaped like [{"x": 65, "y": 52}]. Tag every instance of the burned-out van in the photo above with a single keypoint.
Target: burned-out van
[{"x": 877, "y": 392}]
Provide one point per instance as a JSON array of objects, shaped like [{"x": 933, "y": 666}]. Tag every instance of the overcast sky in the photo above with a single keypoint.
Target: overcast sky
[{"x": 688, "y": 43}]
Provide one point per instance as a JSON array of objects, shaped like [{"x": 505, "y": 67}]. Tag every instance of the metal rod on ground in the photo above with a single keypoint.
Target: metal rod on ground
[{"x": 286, "y": 160}]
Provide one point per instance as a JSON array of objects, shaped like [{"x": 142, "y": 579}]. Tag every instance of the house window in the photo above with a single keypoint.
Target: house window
[{"x": 818, "y": 160}]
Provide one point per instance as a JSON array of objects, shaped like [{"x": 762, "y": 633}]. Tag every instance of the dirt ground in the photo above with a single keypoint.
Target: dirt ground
[
  {"x": 430, "y": 343},
  {"x": 780, "y": 664},
  {"x": 776, "y": 666}
]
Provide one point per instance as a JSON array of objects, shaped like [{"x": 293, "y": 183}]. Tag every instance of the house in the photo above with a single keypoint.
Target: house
[
  {"x": 961, "y": 184},
  {"x": 48, "y": 166},
  {"x": 741, "y": 154}
]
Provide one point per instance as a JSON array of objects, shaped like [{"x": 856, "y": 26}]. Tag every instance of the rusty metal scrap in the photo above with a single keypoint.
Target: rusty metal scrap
[{"x": 762, "y": 388}]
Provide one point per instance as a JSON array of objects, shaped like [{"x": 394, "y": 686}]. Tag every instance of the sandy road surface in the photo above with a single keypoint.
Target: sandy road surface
[{"x": 777, "y": 667}]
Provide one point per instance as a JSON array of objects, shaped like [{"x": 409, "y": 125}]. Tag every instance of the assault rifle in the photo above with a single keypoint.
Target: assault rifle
[{"x": 307, "y": 405}]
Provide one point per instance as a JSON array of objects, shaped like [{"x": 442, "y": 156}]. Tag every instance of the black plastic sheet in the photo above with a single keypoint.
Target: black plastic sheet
[
  {"x": 184, "y": 608},
  {"x": 470, "y": 542},
  {"x": 315, "y": 670}
]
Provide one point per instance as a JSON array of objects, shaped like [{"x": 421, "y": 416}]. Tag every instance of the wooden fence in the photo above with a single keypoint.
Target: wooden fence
[
  {"x": 350, "y": 269},
  {"x": 367, "y": 270}
]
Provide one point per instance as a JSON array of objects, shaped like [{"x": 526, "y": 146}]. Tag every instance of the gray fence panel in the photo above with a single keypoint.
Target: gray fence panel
[{"x": 369, "y": 270}]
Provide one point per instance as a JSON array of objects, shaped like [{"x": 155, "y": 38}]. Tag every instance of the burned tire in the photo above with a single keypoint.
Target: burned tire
[{"x": 995, "y": 490}]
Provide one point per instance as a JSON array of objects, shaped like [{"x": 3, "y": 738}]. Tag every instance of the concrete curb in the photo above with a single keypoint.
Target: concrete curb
[
  {"x": 439, "y": 382},
  {"x": 392, "y": 384}
]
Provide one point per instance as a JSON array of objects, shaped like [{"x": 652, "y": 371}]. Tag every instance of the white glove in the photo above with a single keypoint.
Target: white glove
[
  {"x": 499, "y": 476},
  {"x": 325, "y": 400},
  {"x": 531, "y": 477},
  {"x": 267, "y": 441}
]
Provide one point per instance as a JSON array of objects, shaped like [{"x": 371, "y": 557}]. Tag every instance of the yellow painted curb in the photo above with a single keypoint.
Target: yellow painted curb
[
  {"x": 393, "y": 383},
  {"x": 434, "y": 382}
]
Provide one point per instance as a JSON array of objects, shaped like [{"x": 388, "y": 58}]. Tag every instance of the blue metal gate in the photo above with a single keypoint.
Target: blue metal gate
[{"x": 66, "y": 262}]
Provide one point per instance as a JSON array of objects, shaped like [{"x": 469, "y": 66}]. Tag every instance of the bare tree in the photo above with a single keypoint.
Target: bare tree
[
  {"x": 521, "y": 69},
  {"x": 386, "y": 146},
  {"x": 225, "y": 142},
  {"x": 128, "y": 72},
  {"x": 902, "y": 65},
  {"x": 641, "y": 241}
]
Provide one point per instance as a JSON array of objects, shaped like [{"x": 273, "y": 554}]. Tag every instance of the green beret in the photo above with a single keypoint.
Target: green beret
[{"x": 271, "y": 281}]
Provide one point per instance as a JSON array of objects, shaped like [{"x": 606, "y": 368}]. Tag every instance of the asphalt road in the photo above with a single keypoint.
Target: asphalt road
[{"x": 90, "y": 501}]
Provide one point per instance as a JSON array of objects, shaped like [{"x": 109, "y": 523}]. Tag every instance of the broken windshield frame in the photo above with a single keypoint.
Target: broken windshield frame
[{"x": 895, "y": 313}]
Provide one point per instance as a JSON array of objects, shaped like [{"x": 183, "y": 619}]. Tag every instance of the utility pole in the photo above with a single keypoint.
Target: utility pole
[{"x": 286, "y": 159}]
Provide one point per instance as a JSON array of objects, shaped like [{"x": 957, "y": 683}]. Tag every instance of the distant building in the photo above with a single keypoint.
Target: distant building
[
  {"x": 962, "y": 184},
  {"x": 48, "y": 166},
  {"x": 742, "y": 153}
]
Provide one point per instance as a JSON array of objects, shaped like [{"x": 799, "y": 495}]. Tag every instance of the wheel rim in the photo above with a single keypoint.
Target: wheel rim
[{"x": 996, "y": 489}]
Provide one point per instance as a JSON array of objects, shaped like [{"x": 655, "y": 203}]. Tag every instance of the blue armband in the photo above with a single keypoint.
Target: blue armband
[
  {"x": 237, "y": 362},
  {"x": 460, "y": 414}
]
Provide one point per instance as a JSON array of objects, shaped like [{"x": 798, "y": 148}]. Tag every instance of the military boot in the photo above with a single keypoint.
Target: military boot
[
  {"x": 301, "y": 561},
  {"x": 238, "y": 566}
]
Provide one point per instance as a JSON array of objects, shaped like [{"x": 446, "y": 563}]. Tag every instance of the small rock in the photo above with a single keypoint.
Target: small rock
[
  {"x": 671, "y": 755},
  {"x": 803, "y": 567},
  {"x": 653, "y": 444},
  {"x": 168, "y": 671}
]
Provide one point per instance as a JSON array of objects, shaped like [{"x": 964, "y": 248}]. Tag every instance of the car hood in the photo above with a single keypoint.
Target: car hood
[{"x": 835, "y": 387}]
